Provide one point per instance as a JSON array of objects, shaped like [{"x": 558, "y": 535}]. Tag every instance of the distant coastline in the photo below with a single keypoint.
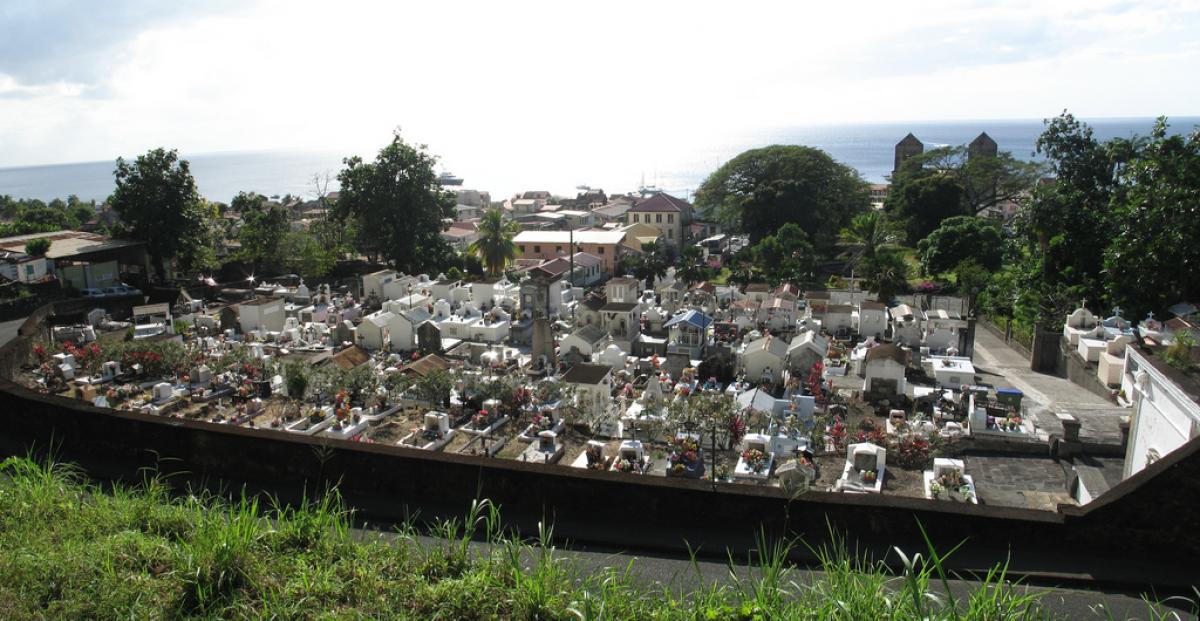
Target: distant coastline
[{"x": 866, "y": 147}]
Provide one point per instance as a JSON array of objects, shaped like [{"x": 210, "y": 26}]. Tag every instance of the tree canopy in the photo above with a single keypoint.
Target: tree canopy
[
  {"x": 886, "y": 274},
  {"x": 650, "y": 264},
  {"x": 156, "y": 198},
  {"x": 1117, "y": 224},
  {"x": 963, "y": 238},
  {"x": 398, "y": 206},
  {"x": 951, "y": 181},
  {"x": 867, "y": 235},
  {"x": 1153, "y": 258},
  {"x": 761, "y": 190},
  {"x": 264, "y": 227},
  {"x": 786, "y": 256},
  {"x": 919, "y": 203}
]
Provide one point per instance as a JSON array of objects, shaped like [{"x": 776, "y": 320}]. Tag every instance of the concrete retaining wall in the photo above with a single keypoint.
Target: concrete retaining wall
[{"x": 619, "y": 510}]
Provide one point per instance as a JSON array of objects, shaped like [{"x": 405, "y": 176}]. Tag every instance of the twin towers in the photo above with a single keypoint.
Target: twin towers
[{"x": 909, "y": 146}]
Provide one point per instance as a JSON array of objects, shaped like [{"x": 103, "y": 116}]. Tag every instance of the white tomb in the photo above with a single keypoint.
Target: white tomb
[
  {"x": 546, "y": 450},
  {"x": 592, "y": 457},
  {"x": 162, "y": 392},
  {"x": 435, "y": 435},
  {"x": 110, "y": 370},
  {"x": 631, "y": 457},
  {"x": 754, "y": 464},
  {"x": 948, "y": 481},
  {"x": 864, "y": 470}
]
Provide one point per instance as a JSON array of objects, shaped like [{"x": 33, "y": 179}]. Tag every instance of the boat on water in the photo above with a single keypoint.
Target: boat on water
[{"x": 448, "y": 178}]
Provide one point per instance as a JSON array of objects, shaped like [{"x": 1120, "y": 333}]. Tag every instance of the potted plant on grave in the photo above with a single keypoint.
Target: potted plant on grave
[{"x": 869, "y": 477}]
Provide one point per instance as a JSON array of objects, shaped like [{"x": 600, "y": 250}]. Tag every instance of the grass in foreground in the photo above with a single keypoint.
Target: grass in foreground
[{"x": 71, "y": 550}]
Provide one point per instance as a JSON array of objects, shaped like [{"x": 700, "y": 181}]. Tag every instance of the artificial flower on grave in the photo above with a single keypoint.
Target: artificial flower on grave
[
  {"x": 756, "y": 460},
  {"x": 631, "y": 464},
  {"x": 869, "y": 476},
  {"x": 951, "y": 480}
]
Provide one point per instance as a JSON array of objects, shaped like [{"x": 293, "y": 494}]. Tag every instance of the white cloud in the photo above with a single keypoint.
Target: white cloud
[{"x": 556, "y": 85}]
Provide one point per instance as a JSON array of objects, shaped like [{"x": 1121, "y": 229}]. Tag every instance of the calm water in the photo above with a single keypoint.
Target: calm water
[{"x": 866, "y": 147}]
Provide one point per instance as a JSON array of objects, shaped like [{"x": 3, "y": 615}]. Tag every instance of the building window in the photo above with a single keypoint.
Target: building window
[
  {"x": 658, "y": 218},
  {"x": 522, "y": 246},
  {"x": 600, "y": 250},
  {"x": 670, "y": 234},
  {"x": 537, "y": 248},
  {"x": 635, "y": 217},
  {"x": 670, "y": 218},
  {"x": 558, "y": 249}
]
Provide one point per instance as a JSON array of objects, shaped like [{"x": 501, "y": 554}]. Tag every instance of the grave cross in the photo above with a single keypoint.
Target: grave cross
[{"x": 1117, "y": 311}]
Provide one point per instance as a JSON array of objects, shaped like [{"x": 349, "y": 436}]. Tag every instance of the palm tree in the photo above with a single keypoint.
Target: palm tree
[
  {"x": 495, "y": 247},
  {"x": 868, "y": 234},
  {"x": 886, "y": 274}
]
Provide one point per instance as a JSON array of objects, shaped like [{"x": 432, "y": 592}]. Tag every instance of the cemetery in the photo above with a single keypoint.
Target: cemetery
[{"x": 817, "y": 391}]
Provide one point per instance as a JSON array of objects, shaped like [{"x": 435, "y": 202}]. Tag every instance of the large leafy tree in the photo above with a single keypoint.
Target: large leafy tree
[
  {"x": 156, "y": 198},
  {"x": 494, "y": 246},
  {"x": 761, "y": 190},
  {"x": 921, "y": 200},
  {"x": 1067, "y": 224},
  {"x": 397, "y": 205},
  {"x": 786, "y": 256},
  {"x": 198, "y": 252},
  {"x": 304, "y": 254},
  {"x": 951, "y": 181},
  {"x": 264, "y": 227},
  {"x": 963, "y": 238},
  {"x": 986, "y": 181},
  {"x": 1153, "y": 258}
]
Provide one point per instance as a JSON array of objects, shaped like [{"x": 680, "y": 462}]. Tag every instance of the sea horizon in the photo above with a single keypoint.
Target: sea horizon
[{"x": 864, "y": 146}]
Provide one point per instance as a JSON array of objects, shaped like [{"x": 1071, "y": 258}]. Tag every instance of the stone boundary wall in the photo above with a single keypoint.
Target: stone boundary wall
[
  {"x": 625, "y": 511},
  {"x": 998, "y": 332}
]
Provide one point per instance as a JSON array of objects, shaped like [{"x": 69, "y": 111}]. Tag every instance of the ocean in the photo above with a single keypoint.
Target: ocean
[{"x": 866, "y": 147}]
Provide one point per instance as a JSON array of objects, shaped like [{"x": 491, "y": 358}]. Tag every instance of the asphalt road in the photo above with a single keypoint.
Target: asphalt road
[{"x": 683, "y": 575}]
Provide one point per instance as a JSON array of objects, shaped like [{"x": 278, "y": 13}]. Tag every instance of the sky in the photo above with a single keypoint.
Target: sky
[{"x": 525, "y": 81}]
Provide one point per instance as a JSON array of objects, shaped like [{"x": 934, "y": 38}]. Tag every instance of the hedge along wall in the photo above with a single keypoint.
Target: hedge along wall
[{"x": 620, "y": 510}]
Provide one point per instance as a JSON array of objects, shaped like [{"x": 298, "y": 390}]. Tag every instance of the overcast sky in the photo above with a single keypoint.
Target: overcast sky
[{"x": 86, "y": 81}]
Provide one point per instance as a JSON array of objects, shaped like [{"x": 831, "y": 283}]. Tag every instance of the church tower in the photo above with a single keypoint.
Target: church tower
[
  {"x": 907, "y": 148},
  {"x": 983, "y": 145}
]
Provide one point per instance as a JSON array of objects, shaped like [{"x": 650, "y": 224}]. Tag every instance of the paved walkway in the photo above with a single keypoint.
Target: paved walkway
[
  {"x": 1000, "y": 365},
  {"x": 993, "y": 357}
]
